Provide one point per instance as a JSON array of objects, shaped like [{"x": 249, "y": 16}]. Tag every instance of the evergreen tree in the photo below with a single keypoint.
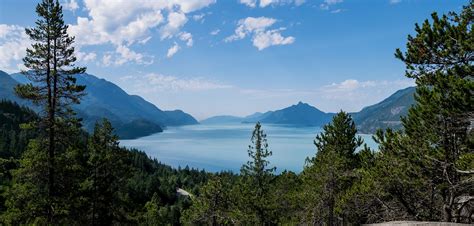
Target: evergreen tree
[
  {"x": 391, "y": 185},
  {"x": 155, "y": 213},
  {"x": 107, "y": 174},
  {"x": 330, "y": 173},
  {"x": 285, "y": 195},
  {"x": 425, "y": 171},
  {"x": 255, "y": 197},
  {"x": 50, "y": 63},
  {"x": 215, "y": 204},
  {"x": 439, "y": 127}
]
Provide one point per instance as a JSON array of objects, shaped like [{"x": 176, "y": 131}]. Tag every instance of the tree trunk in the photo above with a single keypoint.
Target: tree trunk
[
  {"x": 50, "y": 122},
  {"x": 331, "y": 200}
]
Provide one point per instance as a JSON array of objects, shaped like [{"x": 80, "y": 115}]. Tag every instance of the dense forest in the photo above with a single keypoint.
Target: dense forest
[{"x": 54, "y": 173}]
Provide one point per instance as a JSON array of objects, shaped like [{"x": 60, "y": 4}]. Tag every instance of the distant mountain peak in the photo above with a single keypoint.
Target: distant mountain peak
[
  {"x": 301, "y": 104},
  {"x": 299, "y": 114}
]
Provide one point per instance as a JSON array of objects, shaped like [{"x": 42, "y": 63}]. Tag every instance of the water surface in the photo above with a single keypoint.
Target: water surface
[{"x": 220, "y": 147}]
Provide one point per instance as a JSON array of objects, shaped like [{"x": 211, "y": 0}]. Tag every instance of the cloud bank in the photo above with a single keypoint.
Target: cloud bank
[{"x": 258, "y": 28}]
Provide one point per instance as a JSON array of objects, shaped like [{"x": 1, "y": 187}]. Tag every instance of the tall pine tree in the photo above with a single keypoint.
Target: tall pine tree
[
  {"x": 330, "y": 173},
  {"x": 51, "y": 70},
  {"x": 439, "y": 127},
  {"x": 256, "y": 181},
  {"x": 107, "y": 173}
]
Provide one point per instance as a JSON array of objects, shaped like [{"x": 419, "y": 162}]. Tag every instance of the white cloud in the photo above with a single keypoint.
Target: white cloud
[
  {"x": 153, "y": 83},
  {"x": 137, "y": 28},
  {"x": 199, "y": 17},
  {"x": 85, "y": 57},
  {"x": 13, "y": 45},
  {"x": 348, "y": 85},
  {"x": 186, "y": 37},
  {"x": 265, "y": 3},
  {"x": 128, "y": 55},
  {"x": 328, "y": 3},
  {"x": 10, "y": 30},
  {"x": 107, "y": 60},
  {"x": 249, "y": 25},
  {"x": 349, "y": 95},
  {"x": 172, "y": 50},
  {"x": 249, "y": 3},
  {"x": 122, "y": 55},
  {"x": 261, "y": 36},
  {"x": 120, "y": 23},
  {"x": 269, "y": 38},
  {"x": 352, "y": 88},
  {"x": 175, "y": 21},
  {"x": 145, "y": 40},
  {"x": 299, "y": 2},
  {"x": 337, "y": 11},
  {"x": 70, "y": 5},
  {"x": 215, "y": 32},
  {"x": 123, "y": 23}
]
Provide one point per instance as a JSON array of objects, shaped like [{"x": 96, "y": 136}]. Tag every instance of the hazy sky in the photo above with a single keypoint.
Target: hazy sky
[{"x": 236, "y": 57}]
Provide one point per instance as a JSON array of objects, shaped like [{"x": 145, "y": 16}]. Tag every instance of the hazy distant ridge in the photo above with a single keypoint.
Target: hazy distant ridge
[
  {"x": 131, "y": 115},
  {"x": 385, "y": 114}
]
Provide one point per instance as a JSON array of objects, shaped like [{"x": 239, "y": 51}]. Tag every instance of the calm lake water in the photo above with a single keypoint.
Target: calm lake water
[{"x": 224, "y": 146}]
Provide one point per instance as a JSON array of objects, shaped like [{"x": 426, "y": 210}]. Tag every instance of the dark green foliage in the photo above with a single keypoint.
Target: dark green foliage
[
  {"x": 439, "y": 127},
  {"x": 50, "y": 63},
  {"x": 107, "y": 171},
  {"x": 256, "y": 197},
  {"x": 216, "y": 203},
  {"x": 119, "y": 185},
  {"x": 255, "y": 184},
  {"x": 28, "y": 198},
  {"x": 330, "y": 173},
  {"x": 285, "y": 197},
  {"x": 151, "y": 189},
  {"x": 423, "y": 172},
  {"x": 13, "y": 139},
  {"x": 137, "y": 128}
]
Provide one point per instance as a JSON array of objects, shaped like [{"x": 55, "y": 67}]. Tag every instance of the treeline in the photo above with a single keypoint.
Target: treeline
[
  {"x": 100, "y": 183},
  {"x": 54, "y": 173},
  {"x": 424, "y": 172}
]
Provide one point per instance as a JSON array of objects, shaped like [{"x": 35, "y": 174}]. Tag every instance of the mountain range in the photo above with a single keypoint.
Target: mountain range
[
  {"x": 131, "y": 115},
  {"x": 385, "y": 114}
]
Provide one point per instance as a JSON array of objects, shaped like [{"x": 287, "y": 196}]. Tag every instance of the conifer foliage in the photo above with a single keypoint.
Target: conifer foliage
[
  {"x": 50, "y": 63},
  {"x": 54, "y": 173},
  {"x": 331, "y": 172},
  {"x": 256, "y": 180},
  {"x": 439, "y": 127}
]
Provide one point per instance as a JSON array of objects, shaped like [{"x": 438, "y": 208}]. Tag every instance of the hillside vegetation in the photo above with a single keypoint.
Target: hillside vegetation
[{"x": 53, "y": 172}]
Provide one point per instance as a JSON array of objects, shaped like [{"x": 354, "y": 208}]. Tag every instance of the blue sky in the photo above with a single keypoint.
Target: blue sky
[{"x": 236, "y": 57}]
